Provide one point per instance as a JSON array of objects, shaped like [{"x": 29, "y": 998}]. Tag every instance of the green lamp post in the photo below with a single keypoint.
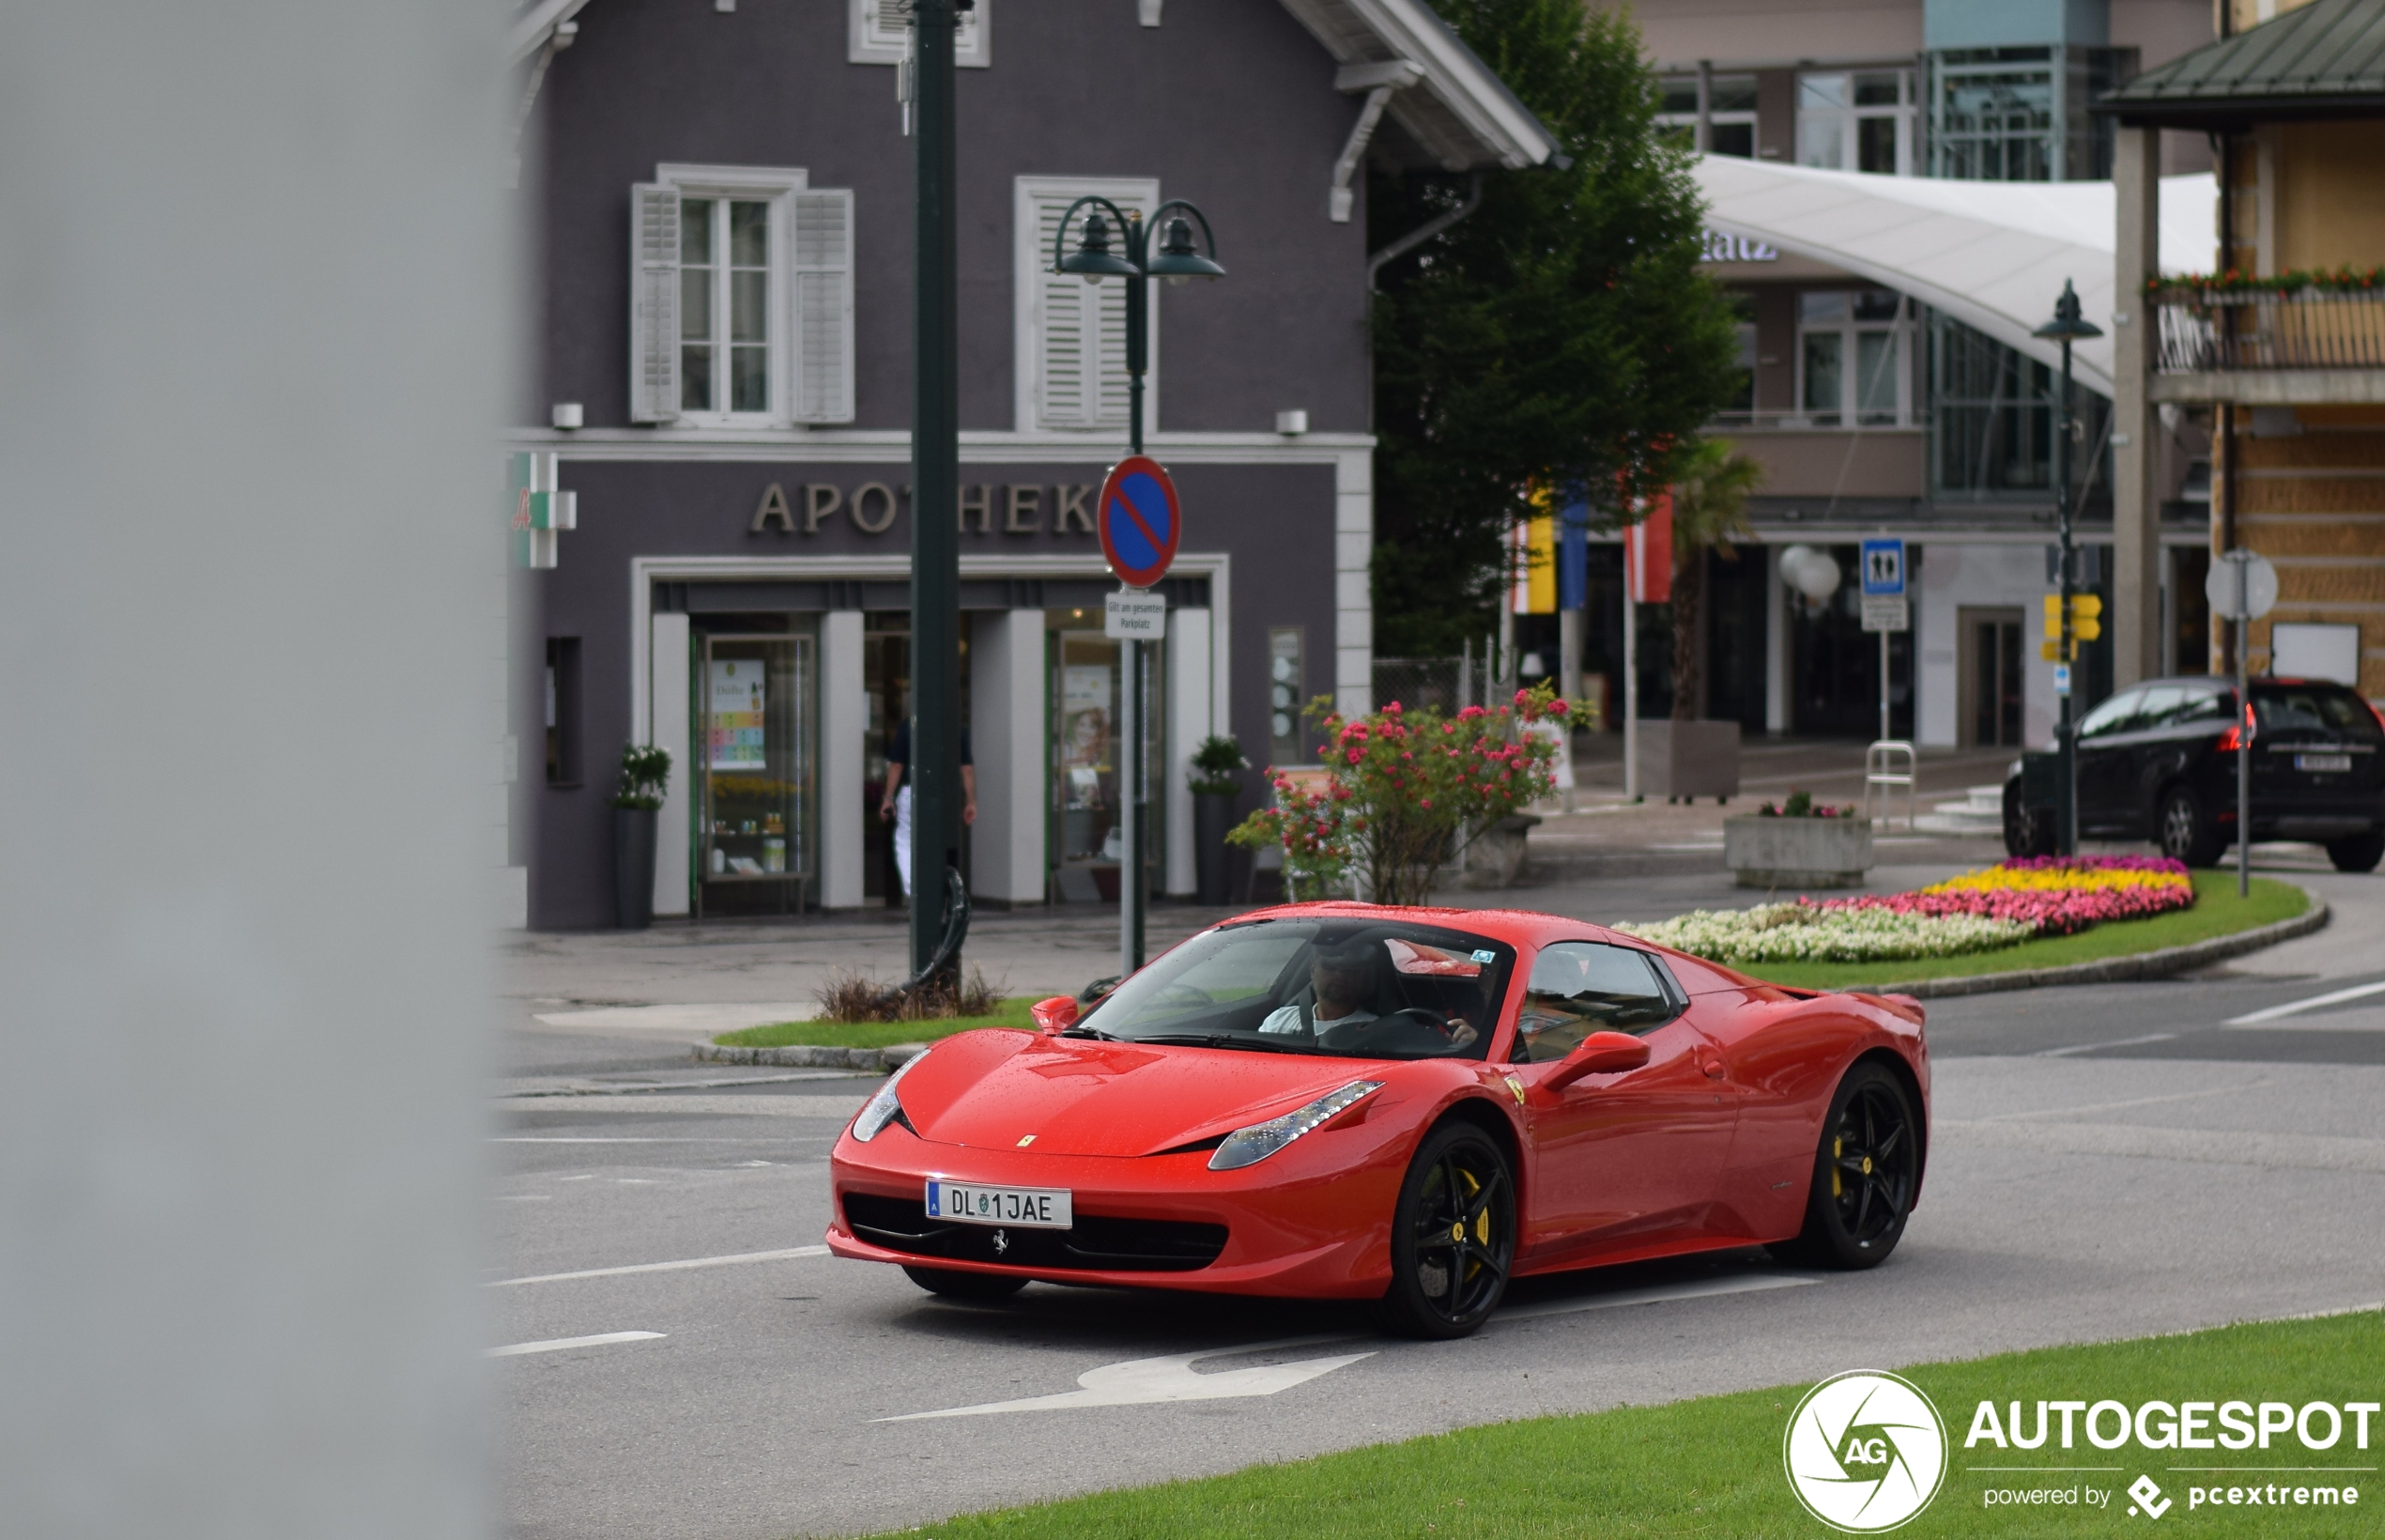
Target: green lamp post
[{"x": 1177, "y": 260}]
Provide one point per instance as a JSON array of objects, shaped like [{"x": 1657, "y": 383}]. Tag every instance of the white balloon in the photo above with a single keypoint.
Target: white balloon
[{"x": 1817, "y": 577}]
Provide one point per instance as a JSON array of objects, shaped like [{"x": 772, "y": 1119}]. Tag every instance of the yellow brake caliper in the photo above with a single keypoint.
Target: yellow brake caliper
[{"x": 1838, "y": 1147}]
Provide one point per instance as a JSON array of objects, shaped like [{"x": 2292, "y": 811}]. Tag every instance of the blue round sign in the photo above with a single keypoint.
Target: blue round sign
[{"x": 1140, "y": 520}]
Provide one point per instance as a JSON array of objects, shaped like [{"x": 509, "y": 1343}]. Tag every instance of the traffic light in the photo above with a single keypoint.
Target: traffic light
[{"x": 2086, "y": 623}]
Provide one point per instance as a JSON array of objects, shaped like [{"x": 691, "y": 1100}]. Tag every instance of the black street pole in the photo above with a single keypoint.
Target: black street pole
[
  {"x": 2066, "y": 326},
  {"x": 2067, "y": 821},
  {"x": 1135, "y": 878},
  {"x": 935, "y": 475}
]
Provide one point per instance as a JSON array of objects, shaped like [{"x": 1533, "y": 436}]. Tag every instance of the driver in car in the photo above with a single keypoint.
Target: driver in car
[{"x": 1342, "y": 979}]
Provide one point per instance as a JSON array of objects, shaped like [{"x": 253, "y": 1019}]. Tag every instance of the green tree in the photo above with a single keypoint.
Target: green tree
[
  {"x": 1711, "y": 484},
  {"x": 1561, "y": 335}
]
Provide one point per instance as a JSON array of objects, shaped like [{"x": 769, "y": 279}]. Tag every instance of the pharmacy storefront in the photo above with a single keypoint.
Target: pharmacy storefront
[{"x": 752, "y": 616}]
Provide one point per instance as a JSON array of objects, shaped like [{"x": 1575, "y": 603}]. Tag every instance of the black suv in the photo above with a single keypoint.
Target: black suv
[{"x": 2158, "y": 760}]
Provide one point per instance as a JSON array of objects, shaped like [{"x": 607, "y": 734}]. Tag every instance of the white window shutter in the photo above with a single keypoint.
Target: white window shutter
[
  {"x": 821, "y": 281},
  {"x": 1081, "y": 369},
  {"x": 654, "y": 302}
]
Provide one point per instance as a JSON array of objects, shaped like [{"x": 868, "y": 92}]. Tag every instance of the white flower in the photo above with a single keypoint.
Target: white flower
[{"x": 1797, "y": 932}]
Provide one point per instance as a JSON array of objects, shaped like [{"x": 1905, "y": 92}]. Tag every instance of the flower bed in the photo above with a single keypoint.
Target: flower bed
[{"x": 1978, "y": 910}]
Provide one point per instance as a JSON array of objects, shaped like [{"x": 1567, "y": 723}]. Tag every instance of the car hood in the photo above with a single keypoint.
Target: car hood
[{"x": 1075, "y": 1096}]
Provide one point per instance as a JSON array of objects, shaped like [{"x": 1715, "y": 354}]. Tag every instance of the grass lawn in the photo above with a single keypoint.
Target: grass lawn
[
  {"x": 1013, "y": 1012},
  {"x": 1713, "y": 1466},
  {"x": 2217, "y": 911}
]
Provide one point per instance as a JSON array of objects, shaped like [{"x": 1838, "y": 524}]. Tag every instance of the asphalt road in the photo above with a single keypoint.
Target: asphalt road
[{"x": 2110, "y": 1162}]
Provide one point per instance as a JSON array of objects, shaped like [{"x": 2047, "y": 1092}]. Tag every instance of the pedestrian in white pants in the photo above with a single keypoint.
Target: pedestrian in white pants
[{"x": 896, "y": 803}]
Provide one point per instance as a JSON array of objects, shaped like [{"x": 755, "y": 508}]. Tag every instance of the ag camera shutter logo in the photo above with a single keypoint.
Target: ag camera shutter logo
[{"x": 1865, "y": 1452}]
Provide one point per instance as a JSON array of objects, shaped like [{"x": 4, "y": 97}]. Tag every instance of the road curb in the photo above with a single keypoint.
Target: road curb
[
  {"x": 875, "y": 1060},
  {"x": 2164, "y": 963}
]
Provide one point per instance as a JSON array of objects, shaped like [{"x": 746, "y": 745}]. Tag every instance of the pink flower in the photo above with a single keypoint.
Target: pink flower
[
  {"x": 1391, "y": 710},
  {"x": 1557, "y": 708},
  {"x": 1354, "y": 756}
]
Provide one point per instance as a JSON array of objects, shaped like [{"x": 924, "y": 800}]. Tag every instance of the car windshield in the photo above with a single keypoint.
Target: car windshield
[
  {"x": 1359, "y": 988},
  {"x": 2313, "y": 710}
]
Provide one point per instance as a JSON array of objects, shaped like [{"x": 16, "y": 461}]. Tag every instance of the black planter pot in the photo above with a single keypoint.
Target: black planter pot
[
  {"x": 634, "y": 867},
  {"x": 1212, "y": 815}
]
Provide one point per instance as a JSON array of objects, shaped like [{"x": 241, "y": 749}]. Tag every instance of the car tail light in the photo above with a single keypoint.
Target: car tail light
[{"x": 2239, "y": 733}]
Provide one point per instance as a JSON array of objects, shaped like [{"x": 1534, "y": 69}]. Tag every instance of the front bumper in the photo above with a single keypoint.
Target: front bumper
[{"x": 1317, "y": 1226}]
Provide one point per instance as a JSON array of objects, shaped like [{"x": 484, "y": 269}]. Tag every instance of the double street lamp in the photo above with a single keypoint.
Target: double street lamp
[{"x": 1177, "y": 260}]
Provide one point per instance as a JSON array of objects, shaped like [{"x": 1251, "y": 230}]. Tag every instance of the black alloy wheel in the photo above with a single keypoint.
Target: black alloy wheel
[
  {"x": 1452, "y": 1235},
  {"x": 953, "y": 1284},
  {"x": 1865, "y": 1175},
  {"x": 2187, "y": 832},
  {"x": 2358, "y": 852},
  {"x": 2027, "y": 831}
]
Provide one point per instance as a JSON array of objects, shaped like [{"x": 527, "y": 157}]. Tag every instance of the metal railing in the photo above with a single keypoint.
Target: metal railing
[{"x": 2205, "y": 331}]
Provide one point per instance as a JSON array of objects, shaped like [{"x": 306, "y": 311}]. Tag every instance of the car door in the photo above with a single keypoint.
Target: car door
[
  {"x": 1623, "y": 1162},
  {"x": 2140, "y": 750},
  {"x": 2103, "y": 761}
]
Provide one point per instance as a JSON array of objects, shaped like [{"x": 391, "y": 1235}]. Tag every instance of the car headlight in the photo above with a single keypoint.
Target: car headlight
[
  {"x": 884, "y": 1107},
  {"x": 1250, "y": 1145}
]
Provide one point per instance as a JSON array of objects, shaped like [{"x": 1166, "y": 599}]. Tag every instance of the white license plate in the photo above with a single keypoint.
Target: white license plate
[
  {"x": 2323, "y": 763},
  {"x": 1029, "y": 1207}
]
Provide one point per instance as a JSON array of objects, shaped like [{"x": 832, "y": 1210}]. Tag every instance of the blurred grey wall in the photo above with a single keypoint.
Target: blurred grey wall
[{"x": 254, "y": 276}]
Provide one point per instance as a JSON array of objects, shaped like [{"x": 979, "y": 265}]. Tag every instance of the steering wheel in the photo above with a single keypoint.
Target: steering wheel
[{"x": 1387, "y": 1031}]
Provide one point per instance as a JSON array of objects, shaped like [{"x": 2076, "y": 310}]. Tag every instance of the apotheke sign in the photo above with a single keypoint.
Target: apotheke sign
[{"x": 875, "y": 507}]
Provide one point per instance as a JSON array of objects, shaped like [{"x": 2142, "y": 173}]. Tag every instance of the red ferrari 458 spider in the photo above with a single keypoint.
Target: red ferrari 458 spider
[{"x": 1343, "y": 1100}]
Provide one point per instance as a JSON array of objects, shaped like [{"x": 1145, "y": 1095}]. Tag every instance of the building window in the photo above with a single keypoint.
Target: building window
[
  {"x": 562, "y": 710},
  {"x": 741, "y": 298},
  {"x": 879, "y": 32},
  {"x": 1992, "y": 412},
  {"x": 2021, "y": 115},
  {"x": 1742, "y": 405},
  {"x": 1857, "y": 120},
  {"x": 1854, "y": 359},
  {"x": 1730, "y": 112},
  {"x": 1071, "y": 367}
]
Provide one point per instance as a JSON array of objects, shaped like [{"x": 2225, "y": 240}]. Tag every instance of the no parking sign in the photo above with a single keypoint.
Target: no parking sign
[{"x": 1139, "y": 520}]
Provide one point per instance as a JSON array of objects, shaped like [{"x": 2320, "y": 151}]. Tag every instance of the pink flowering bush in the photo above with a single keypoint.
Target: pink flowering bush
[{"x": 1402, "y": 792}]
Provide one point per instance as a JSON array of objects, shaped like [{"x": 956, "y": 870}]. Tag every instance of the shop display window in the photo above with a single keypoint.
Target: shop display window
[
  {"x": 1088, "y": 708},
  {"x": 756, "y": 768}
]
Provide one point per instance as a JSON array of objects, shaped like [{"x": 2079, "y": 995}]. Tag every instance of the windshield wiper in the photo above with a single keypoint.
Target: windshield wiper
[
  {"x": 1085, "y": 1032},
  {"x": 1222, "y": 1040}
]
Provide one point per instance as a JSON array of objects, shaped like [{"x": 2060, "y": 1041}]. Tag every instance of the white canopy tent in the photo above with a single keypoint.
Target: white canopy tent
[{"x": 1992, "y": 255}]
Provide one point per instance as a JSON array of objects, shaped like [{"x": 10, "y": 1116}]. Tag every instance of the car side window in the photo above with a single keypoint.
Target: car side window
[
  {"x": 2204, "y": 706},
  {"x": 2161, "y": 708},
  {"x": 1581, "y": 987},
  {"x": 2112, "y": 716}
]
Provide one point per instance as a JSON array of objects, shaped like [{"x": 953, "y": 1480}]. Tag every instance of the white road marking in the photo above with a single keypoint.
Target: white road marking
[
  {"x": 1699, "y": 1289},
  {"x": 787, "y": 1255},
  {"x": 1144, "y": 1381},
  {"x": 2116, "y": 1106},
  {"x": 2295, "y": 1007},
  {"x": 2091, "y": 1047},
  {"x": 560, "y": 1139},
  {"x": 2214, "y": 1146},
  {"x": 596, "y": 1088},
  {"x": 558, "y": 1344}
]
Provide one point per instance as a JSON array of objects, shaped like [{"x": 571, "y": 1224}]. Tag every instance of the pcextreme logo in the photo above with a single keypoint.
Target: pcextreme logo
[{"x": 1865, "y": 1452}]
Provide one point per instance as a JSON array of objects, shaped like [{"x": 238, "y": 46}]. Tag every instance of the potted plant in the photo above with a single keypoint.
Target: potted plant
[
  {"x": 1690, "y": 756},
  {"x": 1801, "y": 843},
  {"x": 645, "y": 771},
  {"x": 1402, "y": 794},
  {"x": 1217, "y": 769}
]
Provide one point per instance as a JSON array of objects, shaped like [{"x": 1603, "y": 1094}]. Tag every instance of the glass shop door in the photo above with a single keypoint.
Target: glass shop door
[
  {"x": 754, "y": 828},
  {"x": 1088, "y": 708}
]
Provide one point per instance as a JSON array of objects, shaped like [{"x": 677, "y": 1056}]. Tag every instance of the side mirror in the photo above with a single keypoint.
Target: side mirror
[
  {"x": 1600, "y": 1054},
  {"x": 1057, "y": 1013}
]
